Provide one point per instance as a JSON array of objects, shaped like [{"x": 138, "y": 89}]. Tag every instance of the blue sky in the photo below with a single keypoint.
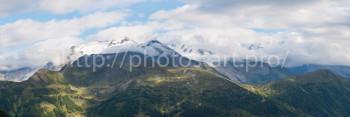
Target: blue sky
[
  {"x": 145, "y": 8},
  {"x": 138, "y": 12}
]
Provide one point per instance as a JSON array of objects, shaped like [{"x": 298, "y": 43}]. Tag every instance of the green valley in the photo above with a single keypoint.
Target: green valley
[{"x": 171, "y": 91}]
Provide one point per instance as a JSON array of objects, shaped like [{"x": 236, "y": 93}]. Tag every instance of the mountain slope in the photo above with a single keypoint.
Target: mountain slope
[
  {"x": 261, "y": 73},
  {"x": 198, "y": 54},
  {"x": 152, "y": 48},
  {"x": 145, "y": 91},
  {"x": 172, "y": 91},
  {"x": 3, "y": 114},
  {"x": 319, "y": 93}
]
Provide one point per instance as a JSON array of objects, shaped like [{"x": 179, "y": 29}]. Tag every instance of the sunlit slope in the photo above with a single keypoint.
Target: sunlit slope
[{"x": 145, "y": 91}]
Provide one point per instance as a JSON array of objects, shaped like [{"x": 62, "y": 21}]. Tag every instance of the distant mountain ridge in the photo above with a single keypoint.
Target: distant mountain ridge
[
  {"x": 256, "y": 75},
  {"x": 150, "y": 48},
  {"x": 337, "y": 69},
  {"x": 20, "y": 74}
]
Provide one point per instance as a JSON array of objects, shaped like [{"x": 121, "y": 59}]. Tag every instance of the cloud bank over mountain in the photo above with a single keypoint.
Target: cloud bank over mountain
[{"x": 311, "y": 32}]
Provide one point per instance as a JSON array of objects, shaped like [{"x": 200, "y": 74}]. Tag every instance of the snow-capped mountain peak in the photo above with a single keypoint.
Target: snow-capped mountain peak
[
  {"x": 254, "y": 46},
  {"x": 150, "y": 48},
  {"x": 156, "y": 48},
  {"x": 101, "y": 47},
  {"x": 204, "y": 52},
  {"x": 151, "y": 42},
  {"x": 191, "y": 52},
  {"x": 126, "y": 40}
]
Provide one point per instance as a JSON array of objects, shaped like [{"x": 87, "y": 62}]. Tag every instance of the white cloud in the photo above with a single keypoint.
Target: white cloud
[
  {"x": 137, "y": 32},
  {"x": 264, "y": 15},
  {"x": 66, "y": 6},
  {"x": 56, "y": 48},
  {"x": 313, "y": 31},
  {"x": 14, "y": 6},
  {"x": 28, "y": 31},
  {"x": 38, "y": 54},
  {"x": 47, "y": 41},
  {"x": 62, "y": 6},
  {"x": 234, "y": 41}
]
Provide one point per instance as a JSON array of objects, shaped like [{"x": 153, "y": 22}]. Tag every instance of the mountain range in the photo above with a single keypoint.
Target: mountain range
[
  {"x": 197, "y": 89},
  {"x": 172, "y": 91},
  {"x": 255, "y": 75},
  {"x": 337, "y": 69}
]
